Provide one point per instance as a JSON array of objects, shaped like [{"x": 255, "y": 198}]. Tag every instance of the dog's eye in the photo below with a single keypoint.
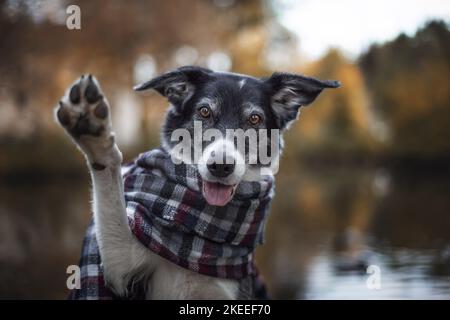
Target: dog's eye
[
  {"x": 254, "y": 119},
  {"x": 204, "y": 111}
]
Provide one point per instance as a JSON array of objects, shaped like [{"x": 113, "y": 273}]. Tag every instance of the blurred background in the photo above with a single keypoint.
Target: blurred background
[{"x": 364, "y": 179}]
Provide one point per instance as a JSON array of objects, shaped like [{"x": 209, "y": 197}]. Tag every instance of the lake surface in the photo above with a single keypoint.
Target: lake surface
[{"x": 327, "y": 227}]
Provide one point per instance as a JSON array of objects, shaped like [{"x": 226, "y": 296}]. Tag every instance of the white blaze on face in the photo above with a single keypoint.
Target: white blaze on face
[{"x": 242, "y": 83}]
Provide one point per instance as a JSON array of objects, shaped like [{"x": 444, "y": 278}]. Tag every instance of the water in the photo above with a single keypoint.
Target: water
[
  {"x": 329, "y": 225},
  {"x": 326, "y": 228}
]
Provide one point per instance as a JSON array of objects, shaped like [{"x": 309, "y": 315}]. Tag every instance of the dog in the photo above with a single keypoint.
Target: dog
[{"x": 216, "y": 100}]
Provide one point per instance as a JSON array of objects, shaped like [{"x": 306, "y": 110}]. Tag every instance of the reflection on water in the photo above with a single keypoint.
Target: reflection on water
[
  {"x": 41, "y": 229},
  {"x": 405, "y": 274},
  {"x": 326, "y": 228}
]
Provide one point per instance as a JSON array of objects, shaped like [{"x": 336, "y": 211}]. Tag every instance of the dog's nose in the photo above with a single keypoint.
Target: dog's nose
[{"x": 221, "y": 170}]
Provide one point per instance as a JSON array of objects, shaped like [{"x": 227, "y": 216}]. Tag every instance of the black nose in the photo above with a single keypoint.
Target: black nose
[{"x": 221, "y": 170}]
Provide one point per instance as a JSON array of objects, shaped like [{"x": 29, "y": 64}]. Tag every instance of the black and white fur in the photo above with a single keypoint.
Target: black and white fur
[{"x": 231, "y": 99}]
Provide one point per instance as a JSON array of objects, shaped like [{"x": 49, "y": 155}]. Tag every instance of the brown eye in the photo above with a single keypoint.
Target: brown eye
[
  {"x": 254, "y": 119},
  {"x": 205, "y": 112}
]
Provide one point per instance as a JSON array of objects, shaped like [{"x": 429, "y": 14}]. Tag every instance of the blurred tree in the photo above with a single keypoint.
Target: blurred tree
[
  {"x": 40, "y": 57},
  {"x": 340, "y": 122},
  {"x": 409, "y": 83}
]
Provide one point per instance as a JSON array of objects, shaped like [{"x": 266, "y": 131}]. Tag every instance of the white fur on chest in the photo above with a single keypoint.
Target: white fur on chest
[{"x": 165, "y": 279}]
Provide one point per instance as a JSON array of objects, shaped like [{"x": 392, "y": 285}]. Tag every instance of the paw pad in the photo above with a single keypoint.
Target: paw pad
[
  {"x": 63, "y": 115},
  {"x": 92, "y": 94},
  {"x": 101, "y": 111},
  {"x": 75, "y": 94}
]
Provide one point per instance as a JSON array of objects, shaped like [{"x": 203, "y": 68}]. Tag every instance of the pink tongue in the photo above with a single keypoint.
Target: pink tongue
[{"x": 217, "y": 194}]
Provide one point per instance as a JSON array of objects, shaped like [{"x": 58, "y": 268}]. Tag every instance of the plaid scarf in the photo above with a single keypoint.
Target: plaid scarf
[{"x": 168, "y": 214}]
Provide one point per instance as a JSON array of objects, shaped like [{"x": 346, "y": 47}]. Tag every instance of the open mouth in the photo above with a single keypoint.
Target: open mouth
[{"x": 217, "y": 194}]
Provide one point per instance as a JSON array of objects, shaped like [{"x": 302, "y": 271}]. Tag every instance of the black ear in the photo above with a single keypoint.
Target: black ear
[
  {"x": 291, "y": 91},
  {"x": 177, "y": 85}
]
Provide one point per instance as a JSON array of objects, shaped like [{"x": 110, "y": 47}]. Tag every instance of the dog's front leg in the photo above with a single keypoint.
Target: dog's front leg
[{"x": 85, "y": 115}]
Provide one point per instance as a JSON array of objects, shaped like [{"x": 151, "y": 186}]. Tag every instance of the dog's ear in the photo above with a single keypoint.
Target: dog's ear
[
  {"x": 291, "y": 91},
  {"x": 177, "y": 85}
]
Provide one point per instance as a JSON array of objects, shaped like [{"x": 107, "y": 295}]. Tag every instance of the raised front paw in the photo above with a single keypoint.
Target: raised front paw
[
  {"x": 85, "y": 115},
  {"x": 84, "y": 110}
]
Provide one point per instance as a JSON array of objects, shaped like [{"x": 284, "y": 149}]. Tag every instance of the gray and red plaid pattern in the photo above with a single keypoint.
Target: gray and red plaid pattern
[{"x": 168, "y": 214}]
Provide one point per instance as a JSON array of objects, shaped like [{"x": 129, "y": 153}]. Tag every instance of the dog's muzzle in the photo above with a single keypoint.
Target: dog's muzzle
[{"x": 222, "y": 168}]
